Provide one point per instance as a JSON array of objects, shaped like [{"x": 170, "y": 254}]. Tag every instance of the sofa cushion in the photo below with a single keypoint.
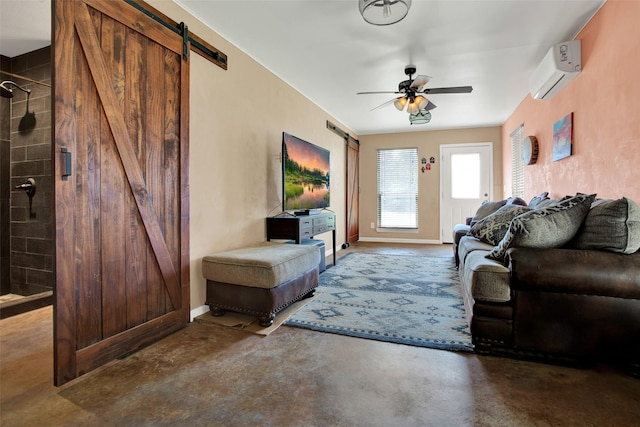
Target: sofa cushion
[
  {"x": 611, "y": 225},
  {"x": 265, "y": 265},
  {"x": 549, "y": 227},
  {"x": 469, "y": 244},
  {"x": 492, "y": 228},
  {"x": 488, "y": 280}
]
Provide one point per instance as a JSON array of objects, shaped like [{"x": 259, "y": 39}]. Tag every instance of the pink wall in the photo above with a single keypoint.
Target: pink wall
[{"x": 605, "y": 101}]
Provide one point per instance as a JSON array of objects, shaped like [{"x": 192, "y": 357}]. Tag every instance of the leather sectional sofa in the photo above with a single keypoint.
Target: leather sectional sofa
[{"x": 565, "y": 287}]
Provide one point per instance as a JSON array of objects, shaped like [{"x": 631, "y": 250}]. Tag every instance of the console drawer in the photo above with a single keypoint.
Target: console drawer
[
  {"x": 325, "y": 220},
  {"x": 321, "y": 229},
  {"x": 306, "y": 223}
]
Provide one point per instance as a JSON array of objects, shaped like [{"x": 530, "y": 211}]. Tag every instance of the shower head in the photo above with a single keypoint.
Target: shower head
[{"x": 7, "y": 92}]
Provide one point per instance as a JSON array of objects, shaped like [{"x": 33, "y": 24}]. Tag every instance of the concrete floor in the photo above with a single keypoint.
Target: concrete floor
[{"x": 212, "y": 376}]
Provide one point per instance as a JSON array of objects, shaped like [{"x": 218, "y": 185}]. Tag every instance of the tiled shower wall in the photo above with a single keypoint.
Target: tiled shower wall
[
  {"x": 31, "y": 245},
  {"x": 5, "y": 191}
]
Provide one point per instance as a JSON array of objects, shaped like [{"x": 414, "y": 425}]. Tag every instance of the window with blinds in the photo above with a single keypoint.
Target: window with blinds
[
  {"x": 398, "y": 188},
  {"x": 517, "y": 165}
]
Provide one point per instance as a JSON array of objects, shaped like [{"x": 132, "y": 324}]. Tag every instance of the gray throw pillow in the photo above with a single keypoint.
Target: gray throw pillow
[
  {"x": 611, "y": 225},
  {"x": 516, "y": 201},
  {"x": 486, "y": 209},
  {"x": 539, "y": 198},
  {"x": 492, "y": 228},
  {"x": 545, "y": 203},
  {"x": 550, "y": 227}
]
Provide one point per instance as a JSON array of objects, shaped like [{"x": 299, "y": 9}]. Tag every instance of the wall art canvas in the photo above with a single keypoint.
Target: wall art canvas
[{"x": 562, "y": 137}]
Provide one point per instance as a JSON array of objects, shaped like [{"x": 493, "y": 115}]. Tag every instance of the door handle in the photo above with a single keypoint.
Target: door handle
[{"x": 66, "y": 170}]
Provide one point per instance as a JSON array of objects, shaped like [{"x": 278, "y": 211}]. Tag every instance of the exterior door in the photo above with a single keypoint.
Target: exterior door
[
  {"x": 353, "y": 191},
  {"x": 466, "y": 181},
  {"x": 120, "y": 177}
]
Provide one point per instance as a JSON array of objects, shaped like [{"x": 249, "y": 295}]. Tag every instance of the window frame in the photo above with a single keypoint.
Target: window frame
[
  {"x": 402, "y": 165},
  {"x": 517, "y": 165}
]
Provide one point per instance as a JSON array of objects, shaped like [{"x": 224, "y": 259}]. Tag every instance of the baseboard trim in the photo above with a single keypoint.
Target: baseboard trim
[
  {"x": 198, "y": 311},
  {"x": 24, "y": 304},
  {"x": 393, "y": 240}
]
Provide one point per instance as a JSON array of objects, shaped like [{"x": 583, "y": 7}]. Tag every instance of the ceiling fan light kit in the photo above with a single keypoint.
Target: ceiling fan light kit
[
  {"x": 416, "y": 104},
  {"x": 413, "y": 107},
  {"x": 400, "y": 103},
  {"x": 412, "y": 91},
  {"x": 384, "y": 12},
  {"x": 420, "y": 118}
]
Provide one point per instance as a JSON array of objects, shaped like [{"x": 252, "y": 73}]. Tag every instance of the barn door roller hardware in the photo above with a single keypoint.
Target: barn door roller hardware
[{"x": 182, "y": 30}]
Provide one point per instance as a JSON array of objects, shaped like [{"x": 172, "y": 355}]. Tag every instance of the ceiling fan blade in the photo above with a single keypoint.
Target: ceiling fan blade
[
  {"x": 430, "y": 106},
  {"x": 373, "y": 93},
  {"x": 420, "y": 81},
  {"x": 384, "y": 104},
  {"x": 456, "y": 89}
]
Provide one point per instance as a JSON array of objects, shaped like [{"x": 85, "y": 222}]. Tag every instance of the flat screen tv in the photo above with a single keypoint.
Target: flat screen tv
[{"x": 305, "y": 175}]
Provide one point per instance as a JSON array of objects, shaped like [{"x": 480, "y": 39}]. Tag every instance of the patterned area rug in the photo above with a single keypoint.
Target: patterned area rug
[{"x": 412, "y": 300}]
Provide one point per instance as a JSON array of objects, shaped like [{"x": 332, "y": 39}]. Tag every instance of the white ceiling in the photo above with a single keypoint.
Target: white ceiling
[
  {"x": 325, "y": 50},
  {"x": 25, "y": 26}
]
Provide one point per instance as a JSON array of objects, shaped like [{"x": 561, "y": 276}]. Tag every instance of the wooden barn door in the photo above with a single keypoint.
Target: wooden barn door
[
  {"x": 121, "y": 183},
  {"x": 353, "y": 191}
]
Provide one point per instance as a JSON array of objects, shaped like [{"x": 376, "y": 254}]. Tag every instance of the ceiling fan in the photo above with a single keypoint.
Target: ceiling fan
[{"x": 413, "y": 91}]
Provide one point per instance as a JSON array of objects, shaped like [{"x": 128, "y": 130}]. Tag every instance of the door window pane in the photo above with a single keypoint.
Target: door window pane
[{"x": 465, "y": 176}]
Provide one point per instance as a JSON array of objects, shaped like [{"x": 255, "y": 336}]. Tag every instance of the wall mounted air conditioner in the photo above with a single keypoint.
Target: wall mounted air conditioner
[{"x": 560, "y": 65}]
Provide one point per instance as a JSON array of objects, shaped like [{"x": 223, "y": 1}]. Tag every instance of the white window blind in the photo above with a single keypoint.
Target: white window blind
[
  {"x": 398, "y": 188},
  {"x": 517, "y": 165}
]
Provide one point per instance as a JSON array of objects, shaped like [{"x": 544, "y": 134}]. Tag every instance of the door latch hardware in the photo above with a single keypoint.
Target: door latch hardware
[{"x": 66, "y": 170}]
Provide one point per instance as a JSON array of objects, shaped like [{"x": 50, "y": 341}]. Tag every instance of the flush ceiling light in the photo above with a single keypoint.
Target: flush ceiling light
[{"x": 384, "y": 12}]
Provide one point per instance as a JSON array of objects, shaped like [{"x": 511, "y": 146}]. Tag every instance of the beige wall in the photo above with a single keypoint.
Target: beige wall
[
  {"x": 236, "y": 122},
  {"x": 428, "y": 144},
  {"x": 605, "y": 101},
  {"x": 236, "y": 131}
]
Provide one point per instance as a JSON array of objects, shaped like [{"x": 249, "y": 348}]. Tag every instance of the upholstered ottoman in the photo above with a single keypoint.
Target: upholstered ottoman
[{"x": 260, "y": 280}]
